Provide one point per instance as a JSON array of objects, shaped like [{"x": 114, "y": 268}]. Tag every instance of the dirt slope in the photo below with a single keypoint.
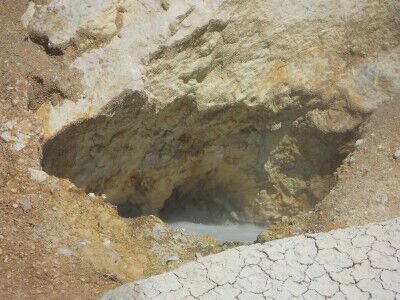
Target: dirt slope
[
  {"x": 28, "y": 269},
  {"x": 65, "y": 245}
]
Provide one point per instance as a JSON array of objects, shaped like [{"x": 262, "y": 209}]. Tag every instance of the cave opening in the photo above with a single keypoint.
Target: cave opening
[
  {"x": 209, "y": 211},
  {"x": 227, "y": 171}
]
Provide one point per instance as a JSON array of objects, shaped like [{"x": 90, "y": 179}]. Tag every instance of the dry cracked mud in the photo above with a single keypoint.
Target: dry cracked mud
[{"x": 354, "y": 263}]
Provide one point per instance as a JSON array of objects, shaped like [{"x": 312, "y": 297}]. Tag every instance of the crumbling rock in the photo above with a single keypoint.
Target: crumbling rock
[{"x": 242, "y": 107}]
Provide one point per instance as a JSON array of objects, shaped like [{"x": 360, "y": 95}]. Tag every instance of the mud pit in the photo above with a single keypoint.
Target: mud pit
[{"x": 236, "y": 163}]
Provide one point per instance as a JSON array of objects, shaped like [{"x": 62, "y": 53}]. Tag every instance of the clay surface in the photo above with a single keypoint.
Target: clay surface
[{"x": 354, "y": 263}]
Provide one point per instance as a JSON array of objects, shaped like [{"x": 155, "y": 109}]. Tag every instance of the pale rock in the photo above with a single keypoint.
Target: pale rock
[
  {"x": 6, "y": 136},
  {"x": 276, "y": 126},
  {"x": 359, "y": 142},
  {"x": 20, "y": 141},
  {"x": 25, "y": 204},
  {"x": 84, "y": 242},
  {"x": 7, "y": 126},
  {"x": 397, "y": 154},
  {"x": 18, "y": 146},
  {"x": 189, "y": 92},
  {"x": 172, "y": 259},
  {"x": 38, "y": 175},
  {"x": 234, "y": 215},
  {"x": 64, "y": 251},
  {"x": 107, "y": 243}
]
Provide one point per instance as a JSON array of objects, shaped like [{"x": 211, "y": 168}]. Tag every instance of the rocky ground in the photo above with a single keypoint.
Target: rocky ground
[
  {"x": 57, "y": 242},
  {"x": 368, "y": 188}
]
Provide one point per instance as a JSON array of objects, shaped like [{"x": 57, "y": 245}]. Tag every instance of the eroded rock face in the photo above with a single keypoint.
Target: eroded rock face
[{"x": 246, "y": 105}]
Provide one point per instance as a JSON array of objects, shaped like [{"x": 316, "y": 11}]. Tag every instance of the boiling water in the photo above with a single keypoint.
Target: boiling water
[{"x": 228, "y": 232}]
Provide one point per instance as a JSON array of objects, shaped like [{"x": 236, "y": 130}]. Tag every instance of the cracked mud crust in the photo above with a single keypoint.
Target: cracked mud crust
[{"x": 354, "y": 263}]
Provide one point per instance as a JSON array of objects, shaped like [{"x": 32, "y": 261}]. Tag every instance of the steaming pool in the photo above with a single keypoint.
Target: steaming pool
[{"x": 228, "y": 232}]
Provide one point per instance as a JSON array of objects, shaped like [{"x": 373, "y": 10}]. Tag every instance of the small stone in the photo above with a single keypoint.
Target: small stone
[
  {"x": 276, "y": 126},
  {"x": 15, "y": 205},
  {"x": 165, "y": 5},
  {"x": 107, "y": 242},
  {"x": 234, "y": 215},
  {"x": 8, "y": 126},
  {"x": 25, "y": 204},
  {"x": 359, "y": 142},
  {"x": 380, "y": 147},
  {"x": 6, "y": 136},
  {"x": 84, "y": 242},
  {"x": 397, "y": 154},
  {"x": 92, "y": 195},
  {"x": 172, "y": 259},
  {"x": 65, "y": 251},
  {"x": 19, "y": 145},
  {"x": 104, "y": 196},
  {"x": 38, "y": 175}
]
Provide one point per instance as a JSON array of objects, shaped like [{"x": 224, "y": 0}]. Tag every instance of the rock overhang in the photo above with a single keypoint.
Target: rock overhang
[{"x": 204, "y": 90}]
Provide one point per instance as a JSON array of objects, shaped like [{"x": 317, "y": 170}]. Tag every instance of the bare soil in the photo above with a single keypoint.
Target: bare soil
[{"x": 29, "y": 268}]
